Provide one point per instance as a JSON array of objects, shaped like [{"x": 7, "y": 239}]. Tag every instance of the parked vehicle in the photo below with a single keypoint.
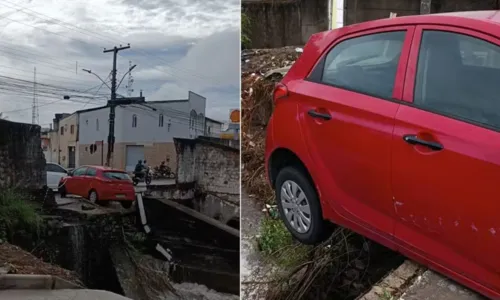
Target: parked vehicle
[
  {"x": 99, "y": 185},
  {"x": 54, "y": 174},
  {"x": 392, "y": 128},
  {"x": 145, "y": 177}
]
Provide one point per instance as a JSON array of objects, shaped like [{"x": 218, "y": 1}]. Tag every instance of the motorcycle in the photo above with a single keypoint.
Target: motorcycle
[
  {"x": 146, "y": 177},
  {"x": 163, "y": 171}
]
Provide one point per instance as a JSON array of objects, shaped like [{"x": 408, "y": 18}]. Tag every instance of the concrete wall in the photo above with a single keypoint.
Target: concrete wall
[
  {"x": 359, "y": 11},
  {"x": 214, "y": 167},
  {"x": 285, "y": 23},
  {"x": 215, "y": 170},
  {"x": 22, "y": 163}
]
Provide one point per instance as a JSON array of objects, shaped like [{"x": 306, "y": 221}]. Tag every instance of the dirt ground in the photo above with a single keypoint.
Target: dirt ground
[{"x": 15, "y": 260}]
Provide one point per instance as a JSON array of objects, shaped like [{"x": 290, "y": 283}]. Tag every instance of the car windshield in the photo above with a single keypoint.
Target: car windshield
[{"x": 116, "y": 175}]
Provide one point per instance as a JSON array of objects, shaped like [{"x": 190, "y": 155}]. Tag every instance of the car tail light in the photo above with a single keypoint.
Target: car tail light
[{"x": 280, "y": 91}]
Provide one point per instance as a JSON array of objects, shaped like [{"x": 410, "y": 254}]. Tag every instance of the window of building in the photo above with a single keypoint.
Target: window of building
[
  {"x": 457, "y": 76},
  {"x": 62, "y": 130},
  {"x": 160, "y": 121},
  {"x": 72, "y": 129},
  {"x": 365, "y": 64},
  {"x": 97, "y": 124},
  {"x": 134, "y": 121},
  {"x": 192, "y": 119}
]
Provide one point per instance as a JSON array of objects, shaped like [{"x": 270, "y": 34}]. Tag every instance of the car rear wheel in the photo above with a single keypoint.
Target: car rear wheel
[
  {"x": 299, "y": 206},
  {"x": 126, "y": 204}
]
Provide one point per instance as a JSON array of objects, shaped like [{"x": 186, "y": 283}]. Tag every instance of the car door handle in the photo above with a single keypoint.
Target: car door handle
[
  {"x": 414, "y": 140},
  {"x": 318, "y": 115}
]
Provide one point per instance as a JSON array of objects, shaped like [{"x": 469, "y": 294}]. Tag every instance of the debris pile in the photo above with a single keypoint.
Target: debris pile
[
  {"x": 257, "y": 106},
  {"x": 14, "y": 260}
]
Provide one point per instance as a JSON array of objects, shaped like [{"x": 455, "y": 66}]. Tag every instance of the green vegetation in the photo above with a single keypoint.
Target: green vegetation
[
  {"x": 386, "y": 296},
  {"x": 246, "y": 30},
  {"x": 17, "y": 213},
  {"x": 276, "y": 242}
]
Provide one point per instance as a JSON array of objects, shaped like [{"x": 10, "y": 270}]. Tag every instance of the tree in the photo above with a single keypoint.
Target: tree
[{"x": 246, "y": 30}]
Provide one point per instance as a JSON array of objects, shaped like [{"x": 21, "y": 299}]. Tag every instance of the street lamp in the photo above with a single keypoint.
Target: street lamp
[{"x": 90, "y": 72}]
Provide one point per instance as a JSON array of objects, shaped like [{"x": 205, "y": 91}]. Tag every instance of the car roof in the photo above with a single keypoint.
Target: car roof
[{"x": 102, "y": 168}]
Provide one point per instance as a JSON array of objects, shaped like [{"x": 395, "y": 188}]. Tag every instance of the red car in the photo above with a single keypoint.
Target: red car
[
  {"x": 99, "y": 184},
  {"x": 392, "y": 128}
]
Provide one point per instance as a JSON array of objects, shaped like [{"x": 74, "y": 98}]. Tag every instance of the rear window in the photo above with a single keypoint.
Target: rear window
[{"x": 116, "y": 175}]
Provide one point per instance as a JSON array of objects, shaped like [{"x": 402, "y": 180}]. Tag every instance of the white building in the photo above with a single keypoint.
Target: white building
[
  {"x": 213, "y": 128},
  {"x": 142, "y": 131}
]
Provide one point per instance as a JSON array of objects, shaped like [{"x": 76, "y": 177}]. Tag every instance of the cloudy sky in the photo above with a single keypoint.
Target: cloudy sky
[{"x": 177, "y": 45}]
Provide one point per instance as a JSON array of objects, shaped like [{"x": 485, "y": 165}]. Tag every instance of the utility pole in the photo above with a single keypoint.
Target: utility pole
[
  {"x": 34, "y": 108},
  {"x": 112, "y": 104}
]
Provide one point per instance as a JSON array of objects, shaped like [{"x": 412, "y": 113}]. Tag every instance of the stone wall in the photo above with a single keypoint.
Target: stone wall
[
  {"x": 215, "y": 170},
  {"x": 214, "y": 167},
  {"x": 286, "y": 22},
  {"x": 22, "y": 163}
]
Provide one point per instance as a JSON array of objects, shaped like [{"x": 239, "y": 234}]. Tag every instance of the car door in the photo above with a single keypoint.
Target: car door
[
  {"x": 74, "y": 184},
  {"x": 89, "y": 180},
  {"x": 446, "y": 152},
  {"x": 347, "y": 115}
]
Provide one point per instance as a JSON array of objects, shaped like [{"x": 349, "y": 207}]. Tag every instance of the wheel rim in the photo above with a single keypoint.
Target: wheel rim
[
  {"x": 295, "y": 206},
  {"x": 93, "y": 197}
]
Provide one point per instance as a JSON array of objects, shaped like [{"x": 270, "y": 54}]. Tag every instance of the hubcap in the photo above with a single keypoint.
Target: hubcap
[
  {"x": 93, "y": 197},
  {"x": 295, "y": 206}
]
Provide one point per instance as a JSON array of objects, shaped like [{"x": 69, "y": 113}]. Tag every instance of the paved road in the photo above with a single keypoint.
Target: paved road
[{"x": 59, "y": 295}]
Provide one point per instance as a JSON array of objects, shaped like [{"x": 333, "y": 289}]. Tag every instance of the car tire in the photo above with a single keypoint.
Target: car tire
[
  {"x": 126, "y": 204},
  {"x": 93, "y": 196},
  {"x": 317, "y": 229},
  {"x": 62, "y": 191}
]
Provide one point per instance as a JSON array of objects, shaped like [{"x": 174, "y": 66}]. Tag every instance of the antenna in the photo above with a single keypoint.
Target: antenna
[
  {"x": 35, "y": 117},
  {"x": 130, "y": 82}
]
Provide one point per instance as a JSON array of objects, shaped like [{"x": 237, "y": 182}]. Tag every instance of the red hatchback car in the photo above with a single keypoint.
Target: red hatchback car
[
  {"x": 99, "y": 184},
  {"x": 392, "y": 128}
]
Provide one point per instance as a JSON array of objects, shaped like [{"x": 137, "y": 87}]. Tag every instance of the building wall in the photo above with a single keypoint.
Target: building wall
[
  {"x": 22, "y": 163},
  {"x": 67, "y": 139},
  {"x": 212, "y": 129}
]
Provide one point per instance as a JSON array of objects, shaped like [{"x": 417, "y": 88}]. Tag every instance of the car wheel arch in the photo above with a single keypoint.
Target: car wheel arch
[{"x": 283, "y": 157}]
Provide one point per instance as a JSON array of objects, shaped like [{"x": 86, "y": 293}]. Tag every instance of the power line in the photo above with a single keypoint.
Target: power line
[{"x": 99, "y": 36}]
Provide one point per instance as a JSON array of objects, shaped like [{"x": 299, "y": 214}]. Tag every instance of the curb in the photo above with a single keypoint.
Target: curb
[
  {"x": 35, "y": 282},
  {"x": 393, "y": 284}
]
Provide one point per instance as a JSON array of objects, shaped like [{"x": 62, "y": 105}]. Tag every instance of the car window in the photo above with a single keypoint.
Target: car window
[
  {"x": 116, "y": 175},
  {"x": 457, "y": 75},
  {"x": 79, "y": 171},
  {"x": 366, "y": 64},
  {"x": 54, "y": 168},
  {"x": 91, "y": 172}
]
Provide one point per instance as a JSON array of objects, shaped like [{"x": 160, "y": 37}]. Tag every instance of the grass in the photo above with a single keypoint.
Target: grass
[
  {"x": 278, "y": 245},
  {"x": 17, "y": 213},
  {"x": 245, "y": 31}
]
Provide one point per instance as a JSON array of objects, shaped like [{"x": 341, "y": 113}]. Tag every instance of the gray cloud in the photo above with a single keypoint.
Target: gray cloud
[{"x": 177, "y": 46}]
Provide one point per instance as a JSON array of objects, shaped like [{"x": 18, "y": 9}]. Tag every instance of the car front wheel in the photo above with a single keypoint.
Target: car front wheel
[{"x": 299, "y": 206}]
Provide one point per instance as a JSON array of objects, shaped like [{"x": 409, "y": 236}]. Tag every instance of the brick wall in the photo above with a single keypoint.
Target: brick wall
[
  {"x": 214, "y": 167},
  {"x": 22, "y": 163}
]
